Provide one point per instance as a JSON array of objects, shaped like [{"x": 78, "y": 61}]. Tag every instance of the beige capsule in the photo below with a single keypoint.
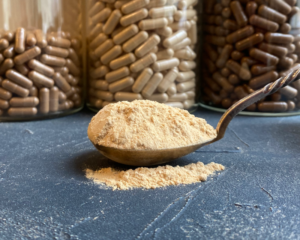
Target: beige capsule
[
  {"x": 134, "y": 5},
  {"x": 104, "y": 95},
  {"x": 5, "y": 94},
  {"x": 191, "y": 94},
  {"x": 166, "y": 11},
  {"x": 147, "y": 46},
  {"x": 182, "y": 44},
  {"x": 187, "y": 104},
  {"x": 54, "y": 99},
  {"x": 156, "y": 3},
  {"x": 18, "y": 79},
  {"x": 142, "y": 80},
  {"x": 41, "y": 68},
  {"x": 14, "y": 88},
  {"x": 99, "y": 72},
  {"x": 118, "y": 4},
  {"x": 3, "y": 44},
  {"x": 73, "y": 69},
  {"x": 185, "y": 86},
  {"x": 112, "y": 22},
  {"x": 53, "y": 61},
  {"x": 98, "y": 40},
  {"x": 40, "y": 79},
  {"x": 102, "y": 49},
  {"x": 163, "y": 65},
  {"x": 112, "y": 54},
  {"x": 30, "y": 39},
  {"x": 134, "y": 17},
  {"x": 20, "y": 112},
  {"x": 187, "y": 65},
  {"x": 174, "y": 39},
  {"x": 56, "y": 51},
  {"x": 152, "y": 24},
  {"x": 117, "y": 74},
  {"x": 263, "y": 23},
  {"x": 59, "y": 42},
  {"x": 27, "y": 55},
  {"x": 285, "y": 28},
  {"x": 185, "y": 15},
  {"x": 122, "y": 61},
  {"x": 125, "y": 34},
  {"x": 135, "y": 41},
  {"x": 33, "y": 92},
  {"x": 175, "y": 104},
  {"x": 182, "y": 25},
  {"x": 185, "y": 76},
  {"x": 61, "y": 82},
  {"x": 178, "y": 97},
  {"x": 20, "y": 40},
  {"x": 121, "y": 84},
  {"x": 167, "y": 81},
  {"x": 23, "y": 69},
  {"x": 142, "y": 63},
  {"x": 74, "y": 57},
  {"x": 172, "y": 90},
  {"x": 24, "y": 102},
  {"x": 61, "y": 97},
  {"x": 152, "y": 84},
  {"x": 97, "y": 29},
  {"x": 97, "y": 7},
  {"x": 100, "y": 85},
  {"x": 125, "y": 96},
  {"x": 263, "y": 57},
  {"x": 164, "y": 32},
  {"x": 165, "y": 54},
  {"x": 4, "y": 104},
  {"x": 44, "y": 105},
  {"x": 9, "y": 52},
  {"x": 64, "y": 106},
  {"x": 159, "y": 97}
]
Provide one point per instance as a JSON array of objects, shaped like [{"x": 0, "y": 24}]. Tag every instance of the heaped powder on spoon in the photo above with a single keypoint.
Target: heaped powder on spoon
[
  {"x": 144, "y": 124},
  {"x": 153, "y": 177}
]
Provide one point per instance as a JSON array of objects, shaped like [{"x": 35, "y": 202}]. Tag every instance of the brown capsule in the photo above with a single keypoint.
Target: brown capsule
[
  {"x": 226, "y": 103},
  {"x": 40, "y": 38},
  {"x": 262, "y": 80},
  {"x": 210, "y": 66},
  {"x": 4, "y": 104},
  {"x": 293, "y": 56},
  {"x": 276, "y": 50},
  {"x": 230, "y": 25},
  {"x": 226, "y": 12},
  {"x": 18, "y": 79},
  {"x": 250, "y": 62},
  {"x": 72, "y": 67},
  {"x": 220, "y": 31},
  {"x": 263, "y": 23},
  {"x": 24, "y": 102},
  {"x": 7, "y": 64},
  {"x": 59, "y": 42},
  {"x": 285, "y": 63},
  {"x": 209, "y": 6},
  {"x": 224, "y": 56},
  {"x": 271, "y": 14},
  {"x": 211, "y": 84},
  {"x": 53, "y": 61},
  {"x": 33, "y": 92},
  {"x": 56, "y": 51},
  {"x": 289, "y": 92},
  {"x": 20, "y": 112},
  {"x": 252, "y": 108},
  {"x": 234, "y": 79},
  {"x": 293, "y": 68},
  {"x": 30, "y": 39},
  {"x": 218, "y": 8},
  {"x": 293, "y": 12},
  {"x": 225, "y": 72},
  {"x": 240, "y": 34},
  {"x": 212, "y": 96},
  {"x": 4, "y": 94},
  {"x": 218, "y": 20},
  {"x": 291, "y": 2},
  {"x": 238, "y": 13},
  {"x": 272, "y": 107},
  {"x": 1, "y": 58},
  {"x": 275, "y": 97},
  {"x": 291, "y": 105},
  {"x": 44, "y": 106},
  {"x": 14, "y": 88},
  {"x": 40, "y": 79},
  {"x": 223, "y": 82},
  {"x": 61, "y": 82},
  {"x": 27, "y": 55},
  {"x": 285, "y": 28},
  {"x": 20, "y": 40},
  {"x": 236, "y": 55},
  {"x": 235, "y": 67},
  {"x": 9, "y": 52},
  {"x": 251, "y": 8},
  {"x": 249, "y": 42},
  {"x": 216, "y": 40},
  {"x": 223, "y": 94},
  {"x": 280, "y": 6},
  {"x": 225, "y": 3},
  {"x": 240, "y": 92},
  {"x": 263, "y": 57},
  {"x": 259, "y": 69},
  {"x": 41, "y": 68},
  {"x": 54, "y": 99},
  {"x": 212, "y": 54},
  {"x": 279, "y": 38}
]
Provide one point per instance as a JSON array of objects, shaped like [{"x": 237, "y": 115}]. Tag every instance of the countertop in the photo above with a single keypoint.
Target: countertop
[{"x": 44, "y": 193}]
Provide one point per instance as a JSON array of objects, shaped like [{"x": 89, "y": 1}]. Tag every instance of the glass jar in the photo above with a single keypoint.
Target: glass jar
[
  {"x": 41, "y": 59},
  {"x": 142, "y": 49},
  {"x": 248, "y": 44}
]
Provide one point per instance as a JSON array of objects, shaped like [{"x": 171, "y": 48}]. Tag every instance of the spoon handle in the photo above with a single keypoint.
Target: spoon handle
[{"x": 252, "y": 98}]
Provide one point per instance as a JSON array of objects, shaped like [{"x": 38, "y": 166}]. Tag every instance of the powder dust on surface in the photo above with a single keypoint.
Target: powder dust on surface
[
  {"x": 144, "y": 124},
  {"x": 150, "y": 178}
]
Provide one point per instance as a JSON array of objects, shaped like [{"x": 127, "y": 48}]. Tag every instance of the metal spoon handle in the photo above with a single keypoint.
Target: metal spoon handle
[{"x": 252, "y": 98}]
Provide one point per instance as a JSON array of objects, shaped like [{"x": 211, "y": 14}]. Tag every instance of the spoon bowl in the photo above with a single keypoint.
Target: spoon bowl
[{"x": 159, "y": 156}]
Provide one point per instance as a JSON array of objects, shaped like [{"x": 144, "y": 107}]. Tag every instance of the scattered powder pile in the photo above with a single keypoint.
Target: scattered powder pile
[
  {"x": 153, "y": 177},
  {"x": 144, "y": 124}
]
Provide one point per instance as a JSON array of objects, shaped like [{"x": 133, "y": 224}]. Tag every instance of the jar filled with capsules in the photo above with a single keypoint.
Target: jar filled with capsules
[
  {"x": 247, "y": 45},
  {"x": 142, "y": 49},
  {"x": 41, "y": 58}
]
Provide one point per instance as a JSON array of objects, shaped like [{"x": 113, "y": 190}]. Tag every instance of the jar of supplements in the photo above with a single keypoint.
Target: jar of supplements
[
  {"x": 248, "y": 44},
  {"x": 41, "y": 58},
  {"x": 141, "y": 49}
]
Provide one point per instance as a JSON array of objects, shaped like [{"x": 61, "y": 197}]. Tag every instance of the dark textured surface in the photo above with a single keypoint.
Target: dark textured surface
[{"x": 44, "y": 193}]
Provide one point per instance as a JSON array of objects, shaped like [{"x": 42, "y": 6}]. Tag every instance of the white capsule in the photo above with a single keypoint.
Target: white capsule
[
  {"x": 142, "y": 80},
  {"x": 152, "y": 84},
  {"x": 163, "y": 65}
]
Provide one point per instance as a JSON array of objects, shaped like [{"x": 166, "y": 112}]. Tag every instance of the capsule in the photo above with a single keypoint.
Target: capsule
[
  {"x": 125, "y": 34},
  {"x": 151, "y": 24},
  {"x": 251, "y": 8},
  {"x": 289, "y": 92},
  {"x": 18, "y": 79},
  {"x": 178, "y": 97},
  {"x": 165, "y": 31},
  {"x": 14, "y": 112},
  {"x": 279, "y": 38},
  {"x": 285, "y": 62},
  {"x": 44, "y": 106},
  {"x": 136, "y": 41},
  {"x": 27, "y": 55},
  {"x": 97, "y": 7},
  {"x": 143, "y": 62},
  {"x": 224, "y": 56},
  {"x": 111, "y": 54},
  {"x": 259, "y": 69},
  {"x": 53, "y": 61},
  {"x": 238, "y": 13},
  {"x": 185, "y": 76},
  {"x": 230, "y": 25},
  {"x": 41, "y": 40},
  {"x": 236, "y": 55},
  {"x": 121, "y": 84},
  {"x": 240, "y": 34},
  {"x": 3, "y": 44},
  {"x": 4, "y": 104},
  {"x": 24, "y": 102},
  {"x": 264, "y": 57},
  {"x": 234, "y": 79},
  {"x": 160, "y": 12},
  {"x": 142, "y": 80},
  {"x": 185, "y": 86},
  {"x": 57, "y": 51},
  {"x": 147, "y": 46},
  {"x": 291, "y": 105},
  {"x": 95, "y": 31},
  {"x": 276, "y": 50},
  {"x": 14, "y": 88},
  {"x": 174, "y": 39},
  {"x": 172, "y": 90},
  {"x": 59, "y": 42},
  {"x": 159, "y": 97},
  {"x": 262, "y": 80},
  {"x": 20, "y": 40},
  {"x": 187, "y": 66},
  {"x": 272, "y": 107},
  {"x": 249, "y": 42},
  {"x": 6, "y": 65},
  {"x": 61, "y": 82},
  {"x": 9, "y": 52},
  {"x": 238, "y": 70},
  {"x": 225, "y": 72},
  {"x": 223, "y": 82},
  {"x": 30, "y": 39},
  {"x": 40, "y": 79},
  {"x": 280, "y": 6},
  {"x": 122, "y": 61},
  {"x": 271, "y": 14},
  {"x": 4, "y": 94},
  {"x": 117, "y": 74},
  {"x": 112, "y": 22},
  {"x": 100, "y": 85},
  {"x": 226, "y": 12},
  {"x": 134, "y": 17},
  {"x": 167, "y": 81},
  {"x": 134, "y": 5},
  {"x": 54, "y": 99},
  {"x": 165, "y": 54},
  {"x": 99, "y": 72},
  {"x": 156, "y": 3},
  {"x": 216, "y": 40},
  {"x": 41, "y": 68},
  {"x": 152, "y": 84}
]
